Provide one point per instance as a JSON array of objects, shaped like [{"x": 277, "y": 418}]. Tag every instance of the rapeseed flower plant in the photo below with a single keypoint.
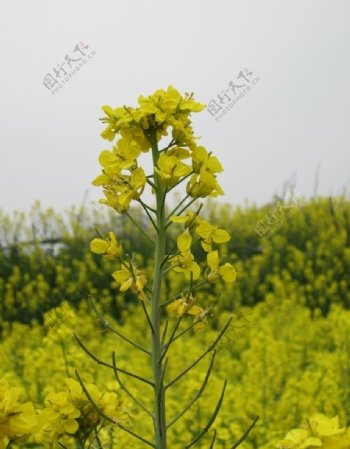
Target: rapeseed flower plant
[{"x": 164, "y": 114}]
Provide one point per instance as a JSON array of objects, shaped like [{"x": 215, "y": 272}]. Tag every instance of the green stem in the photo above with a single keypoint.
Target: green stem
[
  {"x": 79, "y": 444},
  {"x": 157, "y": 365}
]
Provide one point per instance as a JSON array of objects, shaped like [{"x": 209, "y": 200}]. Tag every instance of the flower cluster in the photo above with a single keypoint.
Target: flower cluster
[
  {"x": 208, "y": 235},
  {"x": 129, "y": 276},
  {"x": 187, "y": 305},
  {"x": 108, "y": 247},
  {"x": 18, "y": 419},
  {"x": 70, "y": 413},
  {"x": 123, "y": 180},
  {"x": 320, "y": 432},
  {"x": 184, "y": 262}
]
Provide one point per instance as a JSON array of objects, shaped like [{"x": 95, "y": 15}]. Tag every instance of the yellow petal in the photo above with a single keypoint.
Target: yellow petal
[
  {"x": 107, "y": 158},
  {"x": 221, "y": 236},
  {"x": 71, "y": 426},
  {"x": 98, "y": 246},
  {"x": 213, "y": 260},
  {"x": 184, "y": 241},
  {"x": 121, "y": 275},
  {"x": 195, "y": 310},
  {"x": 172, "y": 307},
  {"x": 179, "y": 219},
  {"x": 101, "y": 180},
  {"x": 228, "y": 273}
]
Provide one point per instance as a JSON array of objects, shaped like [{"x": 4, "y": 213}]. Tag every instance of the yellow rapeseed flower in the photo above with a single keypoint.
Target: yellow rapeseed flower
[
  {"x": 130, "y": 277},
  {"x": 109, "y": 247},
  {"x": 184, "y": 262},
  {"x": 225, "y": 272},
  {"x": 170, "y": 169},
  {"x": 210, "y": 233}
]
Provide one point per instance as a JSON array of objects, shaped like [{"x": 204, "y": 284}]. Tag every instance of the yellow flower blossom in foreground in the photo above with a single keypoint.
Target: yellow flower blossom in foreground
[
  {"x": 121, "y": 189},
  {"x": 299, "y": 439},
  {"x": 225, "y": 272},
  {"x": 203, "y": 161},
  {"x": 61, "y": 415},
  {"x": 202, "y": 185},
  {"x": 109, "y": 247},
  {"x": 122, "y": 179},
  {"x": 320, "y": 431},
  {"x": 207, "y": 232},
  {"x": 189, "y": 220},
  {"x": 186, "y": 304},
  {"x": 17, "y": 420},
  {"x": 323, "y": 426},
  {"x": 184, "y": 262},
  {"x": 210, "y": 233},
  {"x": 161, "y": 109},
  {"x": 170, "y": 169},
  {"x": 70, "y": 412},
  {"x": 130, "y": 277}
]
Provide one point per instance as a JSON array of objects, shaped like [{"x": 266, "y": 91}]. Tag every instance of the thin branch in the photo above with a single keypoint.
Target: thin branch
[
  {"x": 150, "y": 183},
  {"x": 106, "y": 324},
  {"x": 245, "y": 434},
  {"x": 97, "y": 439},
  {"x": 145, "y": 208},
  {"x": 181, "y": 211},
  {"x": 147, "y": 317},
  {"x": 163, "y": 199},
  {"x": 62, "y": 445},
  {"x": 101, "y": 362},
  {"x": 148, "y": 289},
  {"x": 165, "y": 331},
  {"x": 213, "y": 440},
  {"x": 171, "y": 339},
  {"x": 198, "y": 394},
  {"x": 170, "y": 254},
  {"x": 181, "y": 180},
  {"x": 171, "y": 144},
  {"x": 177, "y": 207},
  {"x": 210, "y": 348},
  {"x": 140, "y": 229},
  {"x": 107, "y": 418},
  {"x": 211, "y": 420},
  {"x": 187, "y": 205},
  {"x": 127, "y": 391}
]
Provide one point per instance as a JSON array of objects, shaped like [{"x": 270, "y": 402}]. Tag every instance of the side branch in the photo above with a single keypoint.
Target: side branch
[
  {"x": 245, "y": 434},
  {"x": 107, "y": 326},
  {"x": 210, "y": 348},
  {"x": 213, "y": 440},
  {"x": 171, "y": 339},
  {"x": 211, "y": 420},
  {"x": 101, "y": 362},
  {"x": 198, "y": 394},
  {"x": 127, "y": 391}
]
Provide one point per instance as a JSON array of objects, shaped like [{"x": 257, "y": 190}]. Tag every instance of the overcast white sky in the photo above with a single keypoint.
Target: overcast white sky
[{"x": 295, "y": 119}]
